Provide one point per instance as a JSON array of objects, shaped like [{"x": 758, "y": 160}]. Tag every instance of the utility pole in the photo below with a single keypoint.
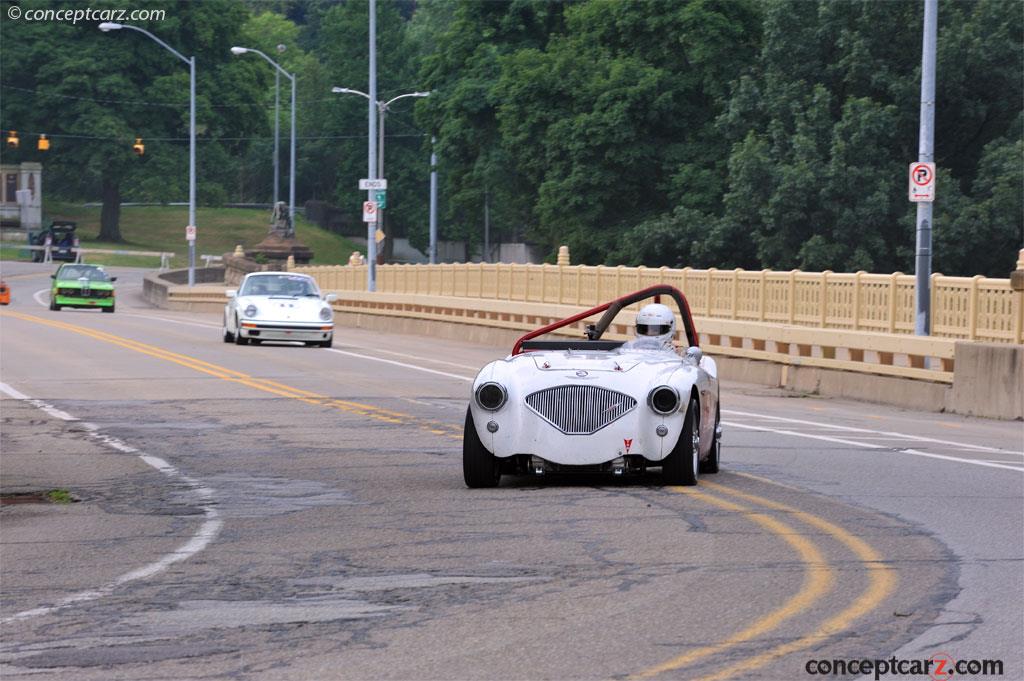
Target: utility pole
[
  {"x": 433, "y": 201},
  {"x": 371, "y": 227},
  {"x": 926, "y": 153}
]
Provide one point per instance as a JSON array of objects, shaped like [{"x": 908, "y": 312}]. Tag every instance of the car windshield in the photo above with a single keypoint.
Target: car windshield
[
  {"x": 89, "y": 272},
  {"x": 279, "y": 285}
]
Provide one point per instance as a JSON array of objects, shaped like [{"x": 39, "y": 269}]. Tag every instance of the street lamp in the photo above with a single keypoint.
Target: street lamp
[
  {"x": 108, "y": 26},
  {"x": 291, "y": 175},
  {"x": 382, "y": 108}
]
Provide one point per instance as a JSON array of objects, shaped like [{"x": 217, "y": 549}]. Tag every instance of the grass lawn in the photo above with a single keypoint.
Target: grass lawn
[{"x": 162, "y": 228}]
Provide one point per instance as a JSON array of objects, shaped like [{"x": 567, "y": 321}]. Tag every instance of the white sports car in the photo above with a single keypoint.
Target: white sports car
[
  {"x": 596, "y": 405},
  {"x": 279, "y": 306}
]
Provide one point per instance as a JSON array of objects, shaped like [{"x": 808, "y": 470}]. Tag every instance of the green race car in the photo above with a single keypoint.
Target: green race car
[{"x": 82, "y": 286}]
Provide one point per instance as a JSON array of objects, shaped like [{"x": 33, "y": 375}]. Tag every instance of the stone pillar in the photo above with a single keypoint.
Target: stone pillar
[
  {"x": 1017, "y": 284},
  {"x": 563, "y": 255}
]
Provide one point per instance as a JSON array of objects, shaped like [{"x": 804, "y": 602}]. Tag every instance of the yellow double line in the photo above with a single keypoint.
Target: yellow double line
[
  {"x": 262, "y": 384},
  {"x": 818, "y": 581}
]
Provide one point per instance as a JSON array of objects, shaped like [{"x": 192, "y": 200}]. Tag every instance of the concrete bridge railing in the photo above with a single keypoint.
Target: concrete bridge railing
[{"x": 970, "y": 308}]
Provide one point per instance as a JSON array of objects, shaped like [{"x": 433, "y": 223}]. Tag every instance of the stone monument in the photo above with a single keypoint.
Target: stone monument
[{"x": 280, "y": 242}]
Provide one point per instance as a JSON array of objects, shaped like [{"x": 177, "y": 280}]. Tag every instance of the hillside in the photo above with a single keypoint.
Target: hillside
[{"x": 162, "y": 228}]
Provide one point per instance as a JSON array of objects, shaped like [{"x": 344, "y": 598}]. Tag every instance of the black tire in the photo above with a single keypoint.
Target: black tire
[
  {"x": 228, "y": 336},
  {"x": 480, "y": 468},
  {"x": 680, "y": 467},
  {"x": 109, "y": 310},
  {"x": 710, "y": 464},
  {"x": 256, "y": 341},
  {"x": 53, "y": 304},
  {"x": 327, "y": 343},
  {"x": 238, "y": 335}
]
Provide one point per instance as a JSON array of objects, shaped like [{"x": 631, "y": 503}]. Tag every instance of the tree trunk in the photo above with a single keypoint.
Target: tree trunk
[{"x": 110, "y": 215}]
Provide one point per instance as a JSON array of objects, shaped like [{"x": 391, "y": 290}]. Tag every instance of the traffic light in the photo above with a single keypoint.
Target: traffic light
[
  {"x": 12, "y": 139},
  {"x": 139, "y": 148},
  {"x": 44, "y": 144}
]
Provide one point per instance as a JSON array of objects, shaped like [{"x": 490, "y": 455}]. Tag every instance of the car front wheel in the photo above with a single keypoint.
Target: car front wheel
[
  {"x": 53, "y": 304},
  {"x": 681, "y": 466},
  {"x": 327, "y": 343},
  {"x": 239, "y": 340},
  {"x": 480, "y": 468}
]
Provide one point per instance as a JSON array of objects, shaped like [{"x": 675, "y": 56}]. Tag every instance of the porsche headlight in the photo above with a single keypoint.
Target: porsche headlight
[
  {"x": 325, "y": 314},
  {"x": 250, "y": 311},
  {"x": 491, "y": 396}
]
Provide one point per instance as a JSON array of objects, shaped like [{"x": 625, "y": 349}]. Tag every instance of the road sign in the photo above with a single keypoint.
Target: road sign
[
  {"x": 379, "y": 235},
  {"x": 381, "y": 197},
  {"x": 922, "y": 182},
  {"x": 190, "y": 233},
  {"x": 365, "y": 184},
  {"x": 369, "y": 211}
]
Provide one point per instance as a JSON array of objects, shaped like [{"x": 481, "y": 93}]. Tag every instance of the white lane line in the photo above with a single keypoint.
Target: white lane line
[
  {"x": 35, "y": 297},
  {"x": 423, "y": 359},
  {"x": 851, "y": 429},
  {"x": 39, "y": 404},
  {"x": 172, "y": 321},
  {"x": 867, "y": 445},
  {"x": 401, "y": 364},
  {"x": 386, "y": 352},
  {"x": 206, "y": 533}
]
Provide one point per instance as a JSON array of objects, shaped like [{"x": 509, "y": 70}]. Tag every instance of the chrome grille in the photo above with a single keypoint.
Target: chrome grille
[{"x": 579, "y": 409}]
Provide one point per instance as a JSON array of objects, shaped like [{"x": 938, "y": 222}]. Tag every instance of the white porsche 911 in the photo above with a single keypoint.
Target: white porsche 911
[
  {"x": 279, "y": 306},
  {"x": 598, "y": 405}
]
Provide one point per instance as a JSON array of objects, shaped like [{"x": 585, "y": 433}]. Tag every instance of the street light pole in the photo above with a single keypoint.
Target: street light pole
[
  {"x": 371, "y": 243},
  {"x": 292, "y": 170},
  {"x": 192, "y": 168},
  {"x": 433, "y": 201},
  {"x": 378, "y": 168},
  {"x": 926, "y": 153},
  {"x": 108, "y": 26},
  {"x": 291, "y": 174},
  {"x": 277, "y": 131}
]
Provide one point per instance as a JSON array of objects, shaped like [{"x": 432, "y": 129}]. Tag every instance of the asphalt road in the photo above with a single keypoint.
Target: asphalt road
[{"x": 281, "y": 512}]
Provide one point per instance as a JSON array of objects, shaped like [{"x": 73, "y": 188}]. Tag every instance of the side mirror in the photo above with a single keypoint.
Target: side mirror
[
  {"x": 113, "y": 279},
  {"x": 331, "y": 297},
  {"x": 53, "y": 276},
  {"x": 231, "y": 293},
  {"x": 694, "y": 354}
]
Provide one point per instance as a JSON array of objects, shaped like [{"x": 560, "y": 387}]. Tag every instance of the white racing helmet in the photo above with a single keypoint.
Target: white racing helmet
[{"x": 657, "y": 322}]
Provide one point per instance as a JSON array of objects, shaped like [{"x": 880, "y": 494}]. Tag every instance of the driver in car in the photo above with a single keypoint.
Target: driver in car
[{"x": 655, "y": 329}]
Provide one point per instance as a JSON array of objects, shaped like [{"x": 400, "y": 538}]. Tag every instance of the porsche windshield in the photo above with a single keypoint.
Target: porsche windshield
[
  {"x": 68, "y": 272},
  {"x": 279, "y": 285}
]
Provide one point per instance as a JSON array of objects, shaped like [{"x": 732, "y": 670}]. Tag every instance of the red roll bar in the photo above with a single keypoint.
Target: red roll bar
[{"x": 611, "y": 309}]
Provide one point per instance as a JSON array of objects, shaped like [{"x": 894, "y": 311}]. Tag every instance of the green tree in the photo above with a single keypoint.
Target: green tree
[{"x": 93, "y": 93}]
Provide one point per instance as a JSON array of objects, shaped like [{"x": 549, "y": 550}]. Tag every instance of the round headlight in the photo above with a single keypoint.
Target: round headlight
[
  {"x": 491, "y": 396},
  {"x": 251, "y": 311},
  {"x": 663, "y": 400},
  {"x": 325, "y": 313}
]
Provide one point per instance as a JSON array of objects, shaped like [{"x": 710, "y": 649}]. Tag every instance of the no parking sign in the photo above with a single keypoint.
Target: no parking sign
[
  {"x": 922, "y": 182},
  {"x": 369, "y": 211}
]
